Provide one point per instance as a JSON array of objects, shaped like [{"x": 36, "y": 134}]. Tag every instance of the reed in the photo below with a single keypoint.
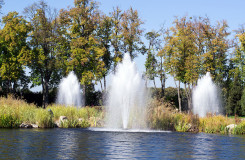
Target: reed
[{"x": 13, "y": 112}]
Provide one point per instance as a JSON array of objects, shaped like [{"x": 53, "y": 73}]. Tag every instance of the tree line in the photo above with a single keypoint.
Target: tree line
[{"x": 83, "y": 39}]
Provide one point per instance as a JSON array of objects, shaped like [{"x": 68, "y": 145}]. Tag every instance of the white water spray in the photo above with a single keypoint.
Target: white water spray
[
  {"x": 127, "y": 97},
  {"x": 206, "y": 98},
  {"x": 69, "y": 91}
]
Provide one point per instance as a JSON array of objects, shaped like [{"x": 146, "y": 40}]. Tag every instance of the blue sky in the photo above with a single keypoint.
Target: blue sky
[{"x": 155, "y": 13}]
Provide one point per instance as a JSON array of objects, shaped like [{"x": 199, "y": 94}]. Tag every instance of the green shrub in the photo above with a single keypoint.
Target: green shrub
[
  {"x": 182, "y": 122},
  {"x": 214, "y": 124},
  {"x": 74, "y": 124},
  {"x": 160, "y": 116},
  {"x": 9, "y": 121},
  {"x": 44, "y": 119},
  {"x": 240, "y": 128}
]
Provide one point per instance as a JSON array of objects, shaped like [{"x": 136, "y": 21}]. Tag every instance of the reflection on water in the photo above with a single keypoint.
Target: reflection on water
[{"x": 102, "y": 144}]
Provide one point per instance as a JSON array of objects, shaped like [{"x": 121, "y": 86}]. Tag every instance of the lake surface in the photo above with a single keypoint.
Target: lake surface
[{"x": 102, "y": 144}]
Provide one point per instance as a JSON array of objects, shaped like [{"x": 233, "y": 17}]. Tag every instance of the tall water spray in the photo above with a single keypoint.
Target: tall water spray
[
  {"x": 127, "y": 97},
  {"x": 206, "y": 97},
  {"x": 69, "y": 91}
]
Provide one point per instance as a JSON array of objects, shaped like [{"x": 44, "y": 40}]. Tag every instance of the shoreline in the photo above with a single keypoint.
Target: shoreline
[{"x": 18, "y": 114}]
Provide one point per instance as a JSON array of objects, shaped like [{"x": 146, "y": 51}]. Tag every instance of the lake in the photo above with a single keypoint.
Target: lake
[{"x": 102, "y": 144}]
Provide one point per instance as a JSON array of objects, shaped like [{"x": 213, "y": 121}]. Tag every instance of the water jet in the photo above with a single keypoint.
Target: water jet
[
  {"x": 206, "y": 97},
  {"x": 126, "y": 104},
  {"x": 69, "y": 93}
]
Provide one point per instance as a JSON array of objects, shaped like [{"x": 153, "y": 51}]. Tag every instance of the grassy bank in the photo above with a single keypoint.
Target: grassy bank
[
  {"x": 161, "y": 115},
  {"x": 15, "y": 112}
]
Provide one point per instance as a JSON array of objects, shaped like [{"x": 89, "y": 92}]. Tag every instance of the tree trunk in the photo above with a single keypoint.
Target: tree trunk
[
  {"x": 162, "y": 79},
  {"x": 14, "y": 88},
  {"x": 179, "y": 98},
  {"x": 45, "y": 92},
  {"x": 154, "y": 82},
  {"x": 84, "y": 94},
  {"x": 189, "y": 97},
  {"x": 101, "y": 86},
  {"x": 104, "y": 83},
  {"x": 9, "y": 87}
]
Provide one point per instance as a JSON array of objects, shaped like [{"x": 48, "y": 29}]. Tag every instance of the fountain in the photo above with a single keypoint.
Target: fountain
[
  {"x": 206, "y": 98},
  {"x": 69, "y": 91},
  {"x": 126, "y": 104}
]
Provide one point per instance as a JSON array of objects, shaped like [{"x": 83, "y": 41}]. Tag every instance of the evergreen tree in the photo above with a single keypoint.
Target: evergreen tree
[
  {"x": 242, "y": 111},
  {"x": 234, "y": 99}
]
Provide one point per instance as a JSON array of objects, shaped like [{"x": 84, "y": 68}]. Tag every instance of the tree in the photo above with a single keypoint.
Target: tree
[
  {"x": 105, "y": 33},
  {"x": 236, "y": 101},
  {"x": 86, "y": 52},
  {"x": 215, "y": 50},
  {"x": 126, "y": 34},
  {"x": 151, "y": 61},
  {"x": 242, "y": 111},
  {"x": 131, "y": 33},
  {"x": 13, "y": 49},
  {"x": 44, "y": 57},
  {"x": 180, "y": 57},
  {"x": 194, "y": 47},
  {"x": 234, "y": 98},
  {"x": 116, "y": 37}
]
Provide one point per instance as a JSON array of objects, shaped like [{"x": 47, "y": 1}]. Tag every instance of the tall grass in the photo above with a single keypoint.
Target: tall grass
[
  {"x": 13, "y": 112},
  {"x": 215, "y": 123},
  {"x": 240, "y": 129},
  {"x": 90, "y": 115},
  {"x": 162, "y": 115}
]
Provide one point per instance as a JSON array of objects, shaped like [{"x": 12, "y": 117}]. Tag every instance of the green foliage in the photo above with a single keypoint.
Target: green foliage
[
  {"x": 85, "y": 59},
  {"x": 43, "y": 118},
  {"x": 46, "y": 57},
  {"x": 233, "y": 106},
  {"x": 87, "y": 41},
  {"x": 243, "y": 103},
  {"x": 9, "y": 121},
  {"x": 14, "y": 112},
  {"x": 75, "y": 124},
  {"x": 13, "y": 47},
  {"x": 240, "y": 128},
  {"x": 185, "y": 122},
  {"x": 193, "y": 47},
  {"x": 131, "y": 32},
  {"x": 214, "y": 124},
  {"x": 161, "y": 115}
]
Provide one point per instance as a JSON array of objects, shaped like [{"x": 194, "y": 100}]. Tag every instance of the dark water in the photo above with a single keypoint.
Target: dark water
[{"x": 87, "y": 144}]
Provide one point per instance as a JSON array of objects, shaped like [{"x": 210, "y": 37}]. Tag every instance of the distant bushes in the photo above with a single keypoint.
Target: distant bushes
[
  {"x": 165, "y": 116},
  {"x": 170, "y": 96}
]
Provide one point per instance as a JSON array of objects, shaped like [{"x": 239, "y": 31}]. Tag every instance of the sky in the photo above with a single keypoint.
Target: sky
[{"x": 156, "y": 13}]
